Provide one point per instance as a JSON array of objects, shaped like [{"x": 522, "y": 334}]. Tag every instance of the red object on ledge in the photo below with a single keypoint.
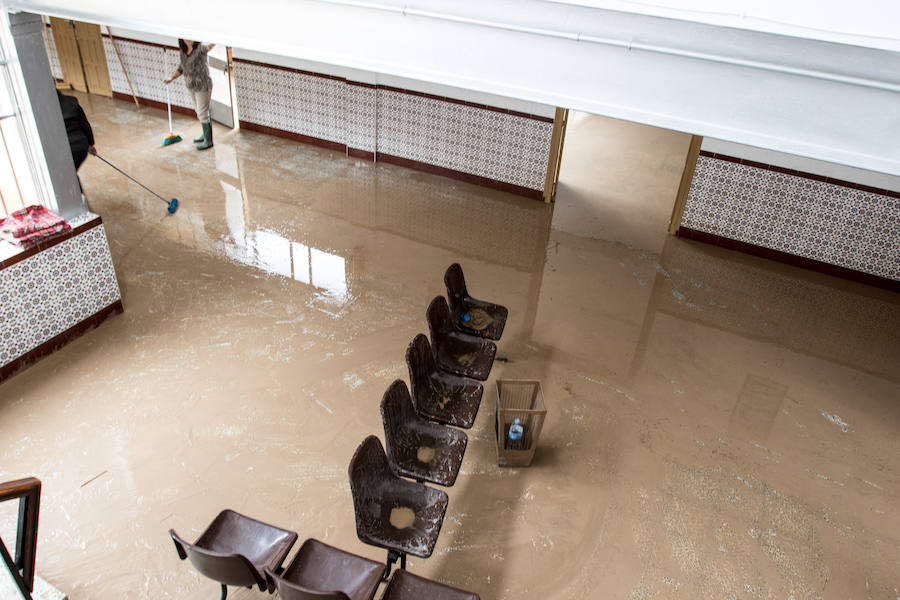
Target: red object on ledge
[{"x": 31, "y": 226}]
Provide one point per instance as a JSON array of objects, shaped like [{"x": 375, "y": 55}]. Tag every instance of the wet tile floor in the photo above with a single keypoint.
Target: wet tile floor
[{"x": 719, "y": 426}]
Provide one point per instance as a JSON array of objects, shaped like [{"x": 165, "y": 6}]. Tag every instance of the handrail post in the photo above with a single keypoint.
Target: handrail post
[{"x": 28, "y": 492}]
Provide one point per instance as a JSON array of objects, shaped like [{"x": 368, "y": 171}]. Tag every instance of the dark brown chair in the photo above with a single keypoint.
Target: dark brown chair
[
  {"x": 417, "y": 448},
  {"x": 406, "y": 586},
  {"x": 380, "y": 497},
  {"x": 455, "y": 352},
  {"x": 236, "y": 550},
  {"x": 476, "y": 317},
  {"x": 440, "y": 396},
  {"x": 323, "y": 572}
]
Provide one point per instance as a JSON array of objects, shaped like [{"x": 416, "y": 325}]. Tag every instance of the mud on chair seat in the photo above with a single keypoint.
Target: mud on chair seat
[
  {"x": 236, "y": 550},
  {"x": 418, "y": 448},
  {"x": 406, "y": 586},
  {"x": 455, "y": 352},
  {"x": 323, "y": 572},
  {"x": 440, "y": 396},
  {"x": 485, "y": 319},
  {"x": 400, "y": 516}
]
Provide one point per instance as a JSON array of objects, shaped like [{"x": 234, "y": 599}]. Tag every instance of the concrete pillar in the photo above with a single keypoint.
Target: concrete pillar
[{"x": 26, "y": 29}]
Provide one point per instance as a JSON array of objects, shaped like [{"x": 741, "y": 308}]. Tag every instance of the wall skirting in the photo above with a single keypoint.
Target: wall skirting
[
  {"x": 184, "y": 110},
  {"x": 485, "y": 145},
  {"x": 462, "y": 176},
  {"x": 829, "y": 225},
  {"x": 790, "y": 259},
  {"x": 54, "y": 292},
  {"x": 489, "y": 146},
  {"x": 60, "y": 340},
  {"x": 396, "y": 160},
  {"x": 803, "y": 174}
]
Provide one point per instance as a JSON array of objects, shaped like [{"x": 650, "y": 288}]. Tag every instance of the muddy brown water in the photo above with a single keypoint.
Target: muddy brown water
[{"x": 718, "y": 425}]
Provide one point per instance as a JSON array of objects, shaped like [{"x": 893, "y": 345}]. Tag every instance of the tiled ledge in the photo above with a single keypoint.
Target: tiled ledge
[{"x": 54, "y": 292}]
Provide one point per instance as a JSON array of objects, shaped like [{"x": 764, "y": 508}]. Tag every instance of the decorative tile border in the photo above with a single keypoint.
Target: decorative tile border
[
  {"x": 464, "y": 138},
  {"x": 53, "y": 292},
  {"x": 473, "y": 142},
  {"x": 58, "y": 341},
  {"x": 480, "y": 144},
  {"x": 294, "y": 102},
  {"x": 148, "y": 65},
  {"x": 834, "y": 223}
]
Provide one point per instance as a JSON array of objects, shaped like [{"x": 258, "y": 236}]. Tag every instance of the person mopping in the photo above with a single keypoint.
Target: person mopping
[{"x": 195, "y": 68}]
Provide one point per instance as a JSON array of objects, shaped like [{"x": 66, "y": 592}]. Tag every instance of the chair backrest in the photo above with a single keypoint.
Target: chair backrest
[
  {"x": 230, "y": 569},
  {"x": 291, "y": 591},
  {"x": 439, "y": 320},
  {"x": 456, "y": 285},
  {"x": 420, "y": 362},
  {"x": 396, "y": 411},
  {"x": 368, "y": 467}
]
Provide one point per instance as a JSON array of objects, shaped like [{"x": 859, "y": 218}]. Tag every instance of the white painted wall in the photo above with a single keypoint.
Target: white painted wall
[
  {"x": 834, "y": 102},
  {"x": 800, "y": 163}
]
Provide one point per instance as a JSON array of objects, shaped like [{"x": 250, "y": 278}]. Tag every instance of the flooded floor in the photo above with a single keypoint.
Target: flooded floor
[{"x": 719, "y": 426}]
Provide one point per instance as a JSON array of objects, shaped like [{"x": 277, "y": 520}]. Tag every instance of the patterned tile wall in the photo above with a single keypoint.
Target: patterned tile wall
[
  {"x": 361, "y": 117},
  {"x": 290, "y": 101},
  {"x": 55, "y": 68},
  {"x": 53, "y": 290},
  {"x": 822, "y": 221},
  {"x": 478, "y": 141},
  {"x": 147, "y": 67}
]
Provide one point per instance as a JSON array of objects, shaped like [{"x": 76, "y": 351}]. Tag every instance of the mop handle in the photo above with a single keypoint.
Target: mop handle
[
  {"x": 130, "y": 177},
  {"x": 169, "y": 106},
  {"x": 168, "y": 102}
]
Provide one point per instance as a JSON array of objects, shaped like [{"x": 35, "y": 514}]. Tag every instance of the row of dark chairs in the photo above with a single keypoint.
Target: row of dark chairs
[
  {"x": 419, "y": 444},
  {"x": 239, "y": 551}
]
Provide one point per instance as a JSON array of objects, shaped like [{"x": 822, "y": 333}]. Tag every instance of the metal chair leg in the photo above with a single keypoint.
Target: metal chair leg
[
  {"x": 224, "y": 592},
  {"x": 392, "y": 557}
]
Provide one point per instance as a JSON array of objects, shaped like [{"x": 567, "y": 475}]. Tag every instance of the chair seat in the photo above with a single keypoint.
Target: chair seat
[
  {"x": 465, "y": 355},
  {"x": 452, "y": 400},
  {"x": 417, "y": 448},
  {"x": 485, "y": 319},
  {"x": 319, "y": 570},
  {"x": 430, "y": 452},
  {"x": 471, "y": 315},
  {"x": 236, "y": 549},
  {"x": 437, "y": 395},
  {"x": 406, "y": 586},
  {"x": 380, "y": 496}
]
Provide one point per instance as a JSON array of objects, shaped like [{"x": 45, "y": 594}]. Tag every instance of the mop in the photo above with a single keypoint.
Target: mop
[
  {"x": 173, "y": 137},
  {"x": 173, "y": 204}
]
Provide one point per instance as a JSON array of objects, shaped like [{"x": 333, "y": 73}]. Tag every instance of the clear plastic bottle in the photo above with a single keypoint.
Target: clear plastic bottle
[{"x": 515, "y": 435}]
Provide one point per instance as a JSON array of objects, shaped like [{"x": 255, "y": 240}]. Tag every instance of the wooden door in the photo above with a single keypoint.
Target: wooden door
[
  {"x": 93, "y": 58},
  {"x": 67, "y": 50}
]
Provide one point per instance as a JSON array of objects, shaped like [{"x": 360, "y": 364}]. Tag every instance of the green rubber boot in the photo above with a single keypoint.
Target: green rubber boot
[
  {"x": 199, "y": 139},
  {"x": 207, "y": 140}
]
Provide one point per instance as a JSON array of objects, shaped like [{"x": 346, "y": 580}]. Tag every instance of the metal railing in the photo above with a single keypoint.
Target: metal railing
[{"x": 28, "y": 492}]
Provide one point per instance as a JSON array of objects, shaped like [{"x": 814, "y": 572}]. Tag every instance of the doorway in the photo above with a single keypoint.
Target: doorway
[
  {"x": 221, "y": 106},
  {"x": 619, "y": 180},
  {"x": 81, "y": 56}
]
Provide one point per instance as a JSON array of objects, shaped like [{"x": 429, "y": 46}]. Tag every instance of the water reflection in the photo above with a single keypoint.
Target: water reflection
[{"x": 273, "y": 253}]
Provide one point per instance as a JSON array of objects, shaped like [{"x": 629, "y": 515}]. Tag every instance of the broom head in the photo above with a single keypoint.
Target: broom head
[{"x": 172, "y": 138}]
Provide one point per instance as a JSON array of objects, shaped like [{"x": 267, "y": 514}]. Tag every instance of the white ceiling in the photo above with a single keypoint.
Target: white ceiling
[{"x": 808, "y": 97}]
